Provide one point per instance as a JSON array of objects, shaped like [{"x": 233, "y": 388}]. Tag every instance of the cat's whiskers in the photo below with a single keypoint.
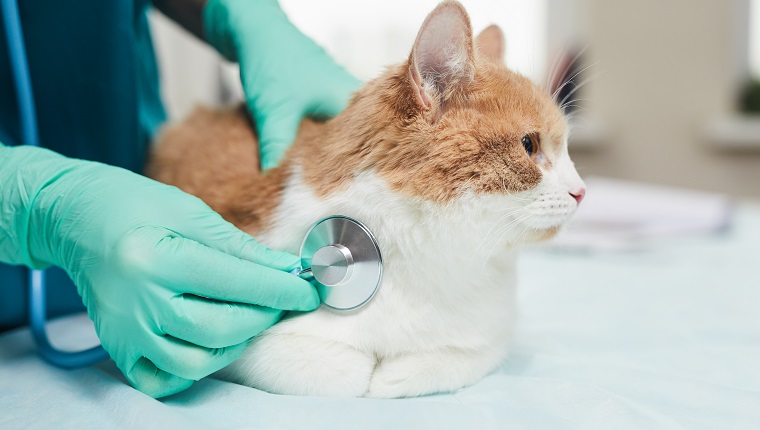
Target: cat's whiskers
[
  {"x": 554, "y": 68},
  {"x": 496, "y": 227},
  {"x": 564, "y": 71},
  {"x": 509, "y": 194},
  {"x": 517, "y": 220},
  {"x": 504, "y": 185},
  {"x": 572, "y": 103},
  {"x": 579, "y": 86},
  {"x": 572, "y": 118},
  {"x": 570, "y": 79},
  {"x": 499, "y": 236},
  {"x": 579, "y": 107},
  {"x": 576, "y": 119},
  {"x": 503, "y": 217},
  {"x": 514, "y": 197},
  {"x": 519, "y": 236},
  {"x": 463, "y": 188}
]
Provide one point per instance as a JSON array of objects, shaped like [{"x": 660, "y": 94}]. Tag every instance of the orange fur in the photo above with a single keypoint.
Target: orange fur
[{"x": 466, "y": 137}]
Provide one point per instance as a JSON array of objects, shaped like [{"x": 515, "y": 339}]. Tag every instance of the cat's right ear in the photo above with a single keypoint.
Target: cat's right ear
[{"x": 442, "y": 59}]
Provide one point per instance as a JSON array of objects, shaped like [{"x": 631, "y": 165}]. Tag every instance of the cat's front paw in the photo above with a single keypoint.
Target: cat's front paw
[
  {"x": 430, "y": 372},
  {"x": 387, "y": 384},
  {"x": 302, "y": 365},
  {"x": 405, "y": 376}
]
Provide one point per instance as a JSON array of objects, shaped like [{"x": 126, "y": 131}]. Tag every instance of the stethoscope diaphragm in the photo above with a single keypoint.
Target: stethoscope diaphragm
[{"x": 345, "y": 261}]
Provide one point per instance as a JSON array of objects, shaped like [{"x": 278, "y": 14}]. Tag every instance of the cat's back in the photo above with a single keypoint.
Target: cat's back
[{"x": 209, "y": 154}]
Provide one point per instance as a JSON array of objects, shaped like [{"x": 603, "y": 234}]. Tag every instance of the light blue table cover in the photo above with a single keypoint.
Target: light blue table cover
[{"x": 667, "y": 337}]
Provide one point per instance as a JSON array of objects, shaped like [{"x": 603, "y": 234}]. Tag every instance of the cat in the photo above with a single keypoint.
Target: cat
[{"x": 452, "y": 161}]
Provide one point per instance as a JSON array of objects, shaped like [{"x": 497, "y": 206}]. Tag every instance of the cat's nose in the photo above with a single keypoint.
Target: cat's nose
[{"x": 578, "y": 194}]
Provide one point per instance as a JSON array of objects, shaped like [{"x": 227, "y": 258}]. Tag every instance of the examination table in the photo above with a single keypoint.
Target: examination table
[{"x": 663, "y": 337}]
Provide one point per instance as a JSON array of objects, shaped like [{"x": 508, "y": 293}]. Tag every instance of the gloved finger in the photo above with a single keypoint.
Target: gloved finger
[
  {"x": 214, "y": 232},
  {"x": 149, "y": 379},
  {"x": 213, "y": 324},
  {"x": 186, "y": 360},
  {"x": 189, "y": 267},
  {"x": 277, "y": 131}
]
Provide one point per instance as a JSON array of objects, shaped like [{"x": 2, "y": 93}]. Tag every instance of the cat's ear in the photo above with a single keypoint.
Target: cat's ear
[
  {"x": 442, "y": 58},
  {"x": 490, "y": 43}
]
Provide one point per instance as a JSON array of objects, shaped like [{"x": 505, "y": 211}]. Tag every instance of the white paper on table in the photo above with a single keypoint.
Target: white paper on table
[{"x": 623, "y": 215}]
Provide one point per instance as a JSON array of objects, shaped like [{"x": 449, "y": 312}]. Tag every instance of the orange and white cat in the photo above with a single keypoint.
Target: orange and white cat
[{"x": 451, "y": 159}]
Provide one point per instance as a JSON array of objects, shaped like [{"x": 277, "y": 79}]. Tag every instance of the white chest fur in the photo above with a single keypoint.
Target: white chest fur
[
  {"x": 436, "y": 296},
  {"x": 432, "y": 293}
]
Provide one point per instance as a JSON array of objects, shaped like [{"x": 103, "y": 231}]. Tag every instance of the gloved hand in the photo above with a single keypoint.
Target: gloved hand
[
  {"x": 175, "y": 291},
  {"x": 285, "y": 75}
]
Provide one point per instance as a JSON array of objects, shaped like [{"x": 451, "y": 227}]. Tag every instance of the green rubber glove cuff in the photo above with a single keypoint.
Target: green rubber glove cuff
[
  {"x": 26, "y": 173},
  {"x": 229, "y": 24}
]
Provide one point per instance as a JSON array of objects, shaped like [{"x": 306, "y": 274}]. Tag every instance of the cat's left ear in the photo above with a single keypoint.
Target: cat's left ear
[
  {"x": 491, "y": 43},
  {"x": 443, "y": 56}
]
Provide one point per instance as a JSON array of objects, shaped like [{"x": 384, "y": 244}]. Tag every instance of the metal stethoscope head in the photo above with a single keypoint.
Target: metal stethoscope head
[{"x": 344, "y": 259}]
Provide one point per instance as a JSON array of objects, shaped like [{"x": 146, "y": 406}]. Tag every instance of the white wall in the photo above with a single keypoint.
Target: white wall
[
  {"x": 669, "y": 69},
  {"x": 366, "y": 36},
  {"x": 190, "y": 70}
]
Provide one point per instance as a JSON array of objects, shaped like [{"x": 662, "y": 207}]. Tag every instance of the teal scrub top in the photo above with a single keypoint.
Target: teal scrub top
[{"x": 96, "y": 89}]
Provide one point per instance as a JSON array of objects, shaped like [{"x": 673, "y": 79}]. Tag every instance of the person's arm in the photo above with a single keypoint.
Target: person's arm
[
  {"x": 187, "y": 13},
  {"x": 285, "y": 75},
  {"x": 175, "y": 291}
]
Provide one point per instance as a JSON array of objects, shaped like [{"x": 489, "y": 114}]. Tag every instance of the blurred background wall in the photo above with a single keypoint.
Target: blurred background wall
[
  {"x": 663, "y": 78},
  {"x": 667, "y": 95}
]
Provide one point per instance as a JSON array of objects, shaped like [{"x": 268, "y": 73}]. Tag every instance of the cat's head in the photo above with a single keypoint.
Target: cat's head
[{"x": 456, "y": 132}]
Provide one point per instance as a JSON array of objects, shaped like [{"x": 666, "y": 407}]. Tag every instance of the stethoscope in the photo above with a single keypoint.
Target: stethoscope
[{"x": 339, "y": 254}]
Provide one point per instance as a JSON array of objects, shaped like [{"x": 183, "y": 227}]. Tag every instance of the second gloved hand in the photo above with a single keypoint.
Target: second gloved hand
[
  {"x": 285, "y": 75},
  {"x": 174, "y": 290}
]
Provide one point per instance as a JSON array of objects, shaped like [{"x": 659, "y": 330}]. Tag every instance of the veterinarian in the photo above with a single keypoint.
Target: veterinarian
[{"x": 175, "y": 291}]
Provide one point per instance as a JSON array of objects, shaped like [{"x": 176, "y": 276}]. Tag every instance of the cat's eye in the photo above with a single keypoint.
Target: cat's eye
[{"x": 530, "y": 143}]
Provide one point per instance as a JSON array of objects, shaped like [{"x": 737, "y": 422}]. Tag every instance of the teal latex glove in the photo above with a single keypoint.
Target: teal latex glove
[
  {"x": 175, "y": 291},
  {"x": 285, "y": 75}
]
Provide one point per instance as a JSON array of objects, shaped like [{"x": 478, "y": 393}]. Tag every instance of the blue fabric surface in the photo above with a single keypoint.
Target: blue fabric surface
[{"x": 664, "y": 338}]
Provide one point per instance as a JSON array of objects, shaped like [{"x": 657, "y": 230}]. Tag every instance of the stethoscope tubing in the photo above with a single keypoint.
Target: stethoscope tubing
[{"x": 30, "y": 137}]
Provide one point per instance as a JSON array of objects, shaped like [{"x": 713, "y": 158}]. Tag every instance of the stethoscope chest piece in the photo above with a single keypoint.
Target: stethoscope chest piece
[{"x": 345, "y": 260}]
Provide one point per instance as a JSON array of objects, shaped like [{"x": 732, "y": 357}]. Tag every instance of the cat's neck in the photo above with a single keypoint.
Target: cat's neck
[
  {"x": 431, "y": 246},
  {"x": 329, "y": 171}
]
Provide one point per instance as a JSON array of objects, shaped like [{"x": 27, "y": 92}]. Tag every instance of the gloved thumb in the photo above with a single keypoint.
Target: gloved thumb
[
  {"x": 277, "y": 131},
  {"x": 149, "y": 379}
]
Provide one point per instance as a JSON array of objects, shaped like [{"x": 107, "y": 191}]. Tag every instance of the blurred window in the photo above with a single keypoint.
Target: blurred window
[
  {"x": 749, "y": 95},
  {"x": 754, "y": 38},
  {"x": 366, "y": 37}
]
